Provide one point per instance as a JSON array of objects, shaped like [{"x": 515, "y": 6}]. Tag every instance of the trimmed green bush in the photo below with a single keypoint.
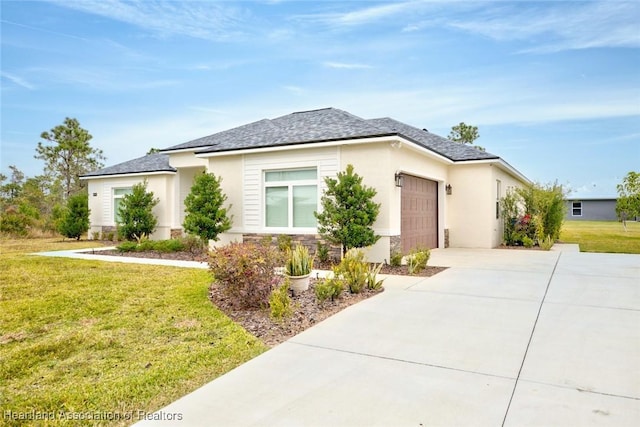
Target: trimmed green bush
[{"x": 136, "y": 213}]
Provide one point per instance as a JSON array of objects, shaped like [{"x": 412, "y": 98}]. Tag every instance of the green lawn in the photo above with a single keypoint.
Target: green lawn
[
  {"x": 98, "y": 339},
  {"x": 602, "y": 236}
]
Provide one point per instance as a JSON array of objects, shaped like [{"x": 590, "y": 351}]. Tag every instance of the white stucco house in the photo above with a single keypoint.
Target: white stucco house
[{"x": 433, "y": 192}]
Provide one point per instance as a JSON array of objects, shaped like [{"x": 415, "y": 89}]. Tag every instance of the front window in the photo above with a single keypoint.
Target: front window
[
  {"x": 576, "y": 209},
  {"x": 118, "y": 195},
  {"x": 291, "y": 198}
]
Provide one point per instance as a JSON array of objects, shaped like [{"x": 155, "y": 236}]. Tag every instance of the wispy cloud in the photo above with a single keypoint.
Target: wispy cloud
[
  {"x": 98, "y": 78},
  {"x": 560, "y": 26},
  {"x": 364, "y": 15},
  {"x": 346, "y": 65},
  {"x": 202, "y": 20},
  {"x": 17, "y": 80}
]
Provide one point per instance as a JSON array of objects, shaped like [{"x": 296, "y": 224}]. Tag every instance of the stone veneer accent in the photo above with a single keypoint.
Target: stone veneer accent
[
  {"x": 308, "y": 240},
  {"x": 446, "y": 237},
  {"x": 395, "y": 245},
  {"x": 176, "y": 233}
]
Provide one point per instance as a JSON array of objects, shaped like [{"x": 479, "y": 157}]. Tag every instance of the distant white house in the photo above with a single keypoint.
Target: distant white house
[
  {"x": 591, "y": 209},
  {"x": 433, "y": 192}
]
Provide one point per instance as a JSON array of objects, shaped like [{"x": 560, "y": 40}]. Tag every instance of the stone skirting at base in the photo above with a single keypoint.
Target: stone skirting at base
[
  {"x": 446, "y": 237},
  {"x": 308, "y": 240}
]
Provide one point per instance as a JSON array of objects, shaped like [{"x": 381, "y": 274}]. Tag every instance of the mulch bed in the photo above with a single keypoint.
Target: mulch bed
[{"x": 306, "y": 310}]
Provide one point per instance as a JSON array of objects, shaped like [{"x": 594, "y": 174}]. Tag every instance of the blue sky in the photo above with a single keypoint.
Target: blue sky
[{"x": 553, "y": 86}]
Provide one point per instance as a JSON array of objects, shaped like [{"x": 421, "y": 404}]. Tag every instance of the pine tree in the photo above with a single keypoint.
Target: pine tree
[
  {"x": 75, "y": 219},
  {"x": 206, "y": 217},
  {"x": 348, "y": 211},
  {"x": 136, "y": 213}
]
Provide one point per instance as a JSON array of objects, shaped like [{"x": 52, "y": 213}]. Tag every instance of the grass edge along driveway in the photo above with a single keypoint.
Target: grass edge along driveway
[
  {"x": 602, "y": 236},
  {"x": 105, "y": 343}
]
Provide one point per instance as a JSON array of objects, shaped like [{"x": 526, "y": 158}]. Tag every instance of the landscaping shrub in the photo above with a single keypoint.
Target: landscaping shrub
[
  {"x": 329, "y": 288},
  {"x": 193, "y": 244},
  {"x": 284, "y": 243},
  {"x": 527, "y": 242},
  {"x": 206, "y": 216},
  {"x": 136, "y": 213},
  {"x": 417, "y": 260},
  {"x": 280, "y": 303},
  {"x": 546, "y": 244},
  {"x": 127, "y": 247},
  {"x": 372, "y": 277},
  {"x": 353, "y": 269},
  {"x": 75, "y": 218},
  {"x": 396, "y": 259},
  {"x": 322, "y": 252},
  {"x": 533, "y": 212},
  {"x": 245, "y": 272},
  {"x": 171, "y": 245}
]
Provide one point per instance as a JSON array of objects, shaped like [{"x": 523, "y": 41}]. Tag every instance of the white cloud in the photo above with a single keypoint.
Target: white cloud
[
  {"x": 559, "y": 26},
  {"x": 203, "y": 20},
  {"x": 17, "y": 80},
  {"x": 346, "y": 65}
]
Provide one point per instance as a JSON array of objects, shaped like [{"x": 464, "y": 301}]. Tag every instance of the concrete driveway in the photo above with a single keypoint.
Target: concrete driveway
[{"x": 504, "y": 337}]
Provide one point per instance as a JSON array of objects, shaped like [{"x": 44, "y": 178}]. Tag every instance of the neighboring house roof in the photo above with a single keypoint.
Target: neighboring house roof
[
  {"x": 593, "y": 198},
  {"x": 156, "y": 162}
]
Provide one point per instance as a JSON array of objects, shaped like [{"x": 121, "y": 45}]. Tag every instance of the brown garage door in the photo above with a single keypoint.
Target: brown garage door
[{"x": 419, "y": 213}]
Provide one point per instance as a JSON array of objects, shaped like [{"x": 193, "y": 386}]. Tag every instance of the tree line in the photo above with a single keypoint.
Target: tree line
[{"x": 56, "y": 200}]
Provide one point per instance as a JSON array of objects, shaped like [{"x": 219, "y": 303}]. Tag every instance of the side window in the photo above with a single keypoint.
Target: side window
[
  {"x": 118, "y": 195},
  {"x": 576, "y": 209}
]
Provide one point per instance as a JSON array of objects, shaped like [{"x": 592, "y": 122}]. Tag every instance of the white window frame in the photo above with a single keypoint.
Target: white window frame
[
  {"x": 573, "y": 208},
  {"x": 289, "y": 184},
  {"x": 114, "y": 196}
]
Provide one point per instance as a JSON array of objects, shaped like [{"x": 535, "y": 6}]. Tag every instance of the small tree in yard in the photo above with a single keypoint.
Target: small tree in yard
[
  {"x": 628, "y": 203},
  {"x": 75, "y": 219},
  {"x": 348, "y": 211},
  {"x": 206, "y": 217},
  {"x": 136, "y": 213}
]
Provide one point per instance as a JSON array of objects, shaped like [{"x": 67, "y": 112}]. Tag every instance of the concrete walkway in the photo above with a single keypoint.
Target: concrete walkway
[{"x": 504, "y": 337}]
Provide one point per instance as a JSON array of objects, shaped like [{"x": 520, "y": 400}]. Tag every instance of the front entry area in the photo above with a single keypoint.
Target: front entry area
[{"x": 419, "y": 213}]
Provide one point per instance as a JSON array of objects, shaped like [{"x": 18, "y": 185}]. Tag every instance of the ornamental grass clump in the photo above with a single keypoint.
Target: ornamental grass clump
[{"x": 299, "y": 262}]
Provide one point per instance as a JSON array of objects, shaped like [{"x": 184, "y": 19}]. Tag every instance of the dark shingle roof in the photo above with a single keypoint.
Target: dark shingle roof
[
  {"x": 452, "y": 150},
  {"x": 157, "y": 162},
  {"x": 327, "y": 124},
  {"x": 306, "y": 126}
]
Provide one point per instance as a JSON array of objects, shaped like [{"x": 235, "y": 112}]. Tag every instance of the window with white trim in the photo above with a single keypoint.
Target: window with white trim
[
  {"x": 118, "y": 195},
  {"x": 576, "y": 209},
  {"x": 291, "y": 198}
]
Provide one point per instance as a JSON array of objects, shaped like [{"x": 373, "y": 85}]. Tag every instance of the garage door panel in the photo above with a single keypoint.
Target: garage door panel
[{"x": 419, "y": 206}]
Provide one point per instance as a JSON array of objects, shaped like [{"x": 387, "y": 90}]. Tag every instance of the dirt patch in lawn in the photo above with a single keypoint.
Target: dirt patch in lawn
[{"x": 306, "y": 309}]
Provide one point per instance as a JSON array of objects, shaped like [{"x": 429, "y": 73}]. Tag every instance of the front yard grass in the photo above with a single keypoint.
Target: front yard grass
[
  {"x": 106, "y": 339},
  {"x": 602, "y": 236}
]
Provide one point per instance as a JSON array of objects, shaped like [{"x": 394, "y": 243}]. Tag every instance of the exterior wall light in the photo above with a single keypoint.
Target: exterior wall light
[
  {"x": 399, "y": 179},
  {"x": 449, "y": 189}
]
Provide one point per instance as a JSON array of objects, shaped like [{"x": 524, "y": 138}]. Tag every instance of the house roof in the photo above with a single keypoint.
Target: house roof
[
  {"x": 326, "y": 124},
  {"x": 452, "y": 150},
  {"x": 156, "y": 162}
]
